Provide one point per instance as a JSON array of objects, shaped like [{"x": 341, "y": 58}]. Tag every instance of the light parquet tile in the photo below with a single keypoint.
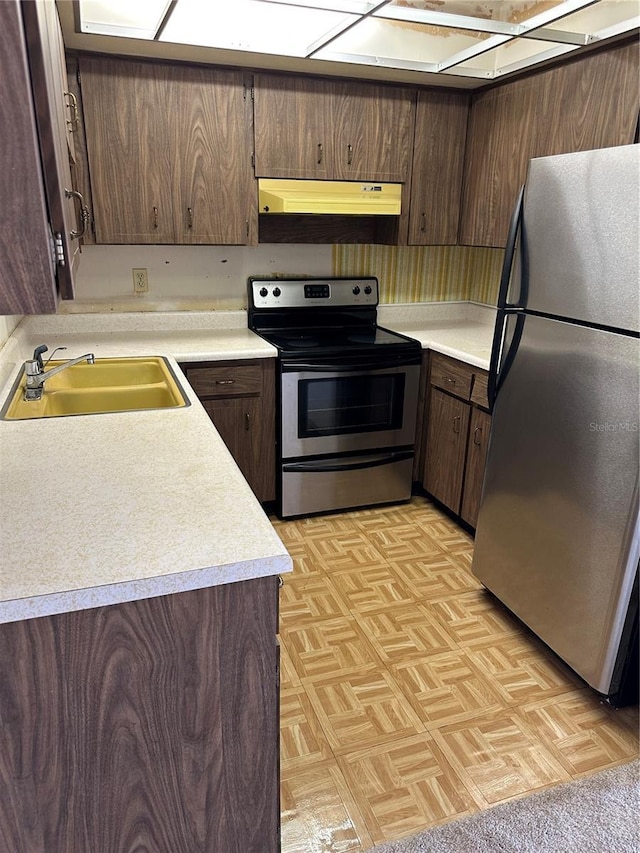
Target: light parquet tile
[
  {"x": 319, "y": 815},
  {"x": 473, "y": 617},
  {"x": 497, "y": 757},
  {"x": 372, "y": 589},
  {"x": 405, "y": 786},
  {"x": 402, "y": 542},
  {"x": 405, "y": 634},
  {"x": 309, "y": 598},
  {"x": 446, "y": 689},
  {"x": 432, "y": 578},
  {"x": 362, "y": 710},
  {"x": 521, "y": 670},
  {"x": 585, "y": 734},
  {"x": 302, "y": 741},
  {"x": 329, "y": 647},
  {"x": 410, "y": 695}
]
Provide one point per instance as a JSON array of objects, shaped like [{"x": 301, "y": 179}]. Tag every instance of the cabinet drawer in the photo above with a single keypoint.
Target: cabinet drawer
[
  {"x": 452, "y": 376},
  {"x": 226, "y": 380},
  {"x": 479, "y": 392}
]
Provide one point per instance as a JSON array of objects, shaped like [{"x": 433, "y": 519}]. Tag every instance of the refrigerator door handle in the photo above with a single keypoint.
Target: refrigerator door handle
[
  {"x": 509, "y": 254},
  {"x": 498, "y": 375}
]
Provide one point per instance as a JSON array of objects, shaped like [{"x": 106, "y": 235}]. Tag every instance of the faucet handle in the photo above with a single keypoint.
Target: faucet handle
[{"x": 37, "y": 355}]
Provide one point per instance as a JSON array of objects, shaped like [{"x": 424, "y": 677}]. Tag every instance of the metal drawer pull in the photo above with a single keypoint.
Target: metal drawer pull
[
  {"x": 247, "y": 421},
  {"x": 155, "y": 217},
  {"x": 456, "y": 424},
  {"x": 449, "y": 380},
  {"x": 475, "y": 436},
  {"x": 423, "y": 227},
  {"x": 189, "y": 217},
  {"x": 225, "y": 381},
  {"x": 349, "y": 154},
  {"x": 72, "y": 123},
  {"x": 84, "y": 214},
  {"x": 320, "y": 152}
]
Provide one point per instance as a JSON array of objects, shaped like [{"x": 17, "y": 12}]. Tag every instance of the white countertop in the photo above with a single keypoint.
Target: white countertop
[{"x": 101, "y": 509}]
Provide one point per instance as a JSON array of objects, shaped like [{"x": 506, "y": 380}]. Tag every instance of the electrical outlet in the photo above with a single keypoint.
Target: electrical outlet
[{"x": 140, "y": 281}]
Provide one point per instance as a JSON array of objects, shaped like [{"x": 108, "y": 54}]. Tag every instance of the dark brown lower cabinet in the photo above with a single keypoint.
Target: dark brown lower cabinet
[
  {"x": 477, "y": 445},
  {"x": 239, "y": 397},
  {"x": 456, "y": 435},
  {"x": 446, "y": 448},
  {"x": 145, "y": 726}
]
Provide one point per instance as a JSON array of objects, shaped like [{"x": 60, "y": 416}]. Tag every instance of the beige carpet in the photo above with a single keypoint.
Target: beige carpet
[{"x": 597, "y": 814}]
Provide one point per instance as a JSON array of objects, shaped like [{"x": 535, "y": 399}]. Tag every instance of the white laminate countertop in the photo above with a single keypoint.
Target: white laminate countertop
[{"x": 102, "y": 509}]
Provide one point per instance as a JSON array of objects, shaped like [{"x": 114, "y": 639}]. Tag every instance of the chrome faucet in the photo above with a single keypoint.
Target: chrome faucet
[{"x": 36, "y": 375}]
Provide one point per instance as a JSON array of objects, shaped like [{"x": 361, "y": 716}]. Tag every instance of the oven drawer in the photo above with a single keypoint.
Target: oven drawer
[
  {"x": 311, "y": 485},
  {"x": 230, "y": 380}
]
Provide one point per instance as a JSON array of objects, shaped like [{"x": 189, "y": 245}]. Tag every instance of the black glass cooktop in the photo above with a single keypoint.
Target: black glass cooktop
[{"x": 348, "y": 341}]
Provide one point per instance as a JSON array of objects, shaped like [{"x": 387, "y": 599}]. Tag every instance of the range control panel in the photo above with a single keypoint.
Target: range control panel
[{"x": 307, "y": 292}]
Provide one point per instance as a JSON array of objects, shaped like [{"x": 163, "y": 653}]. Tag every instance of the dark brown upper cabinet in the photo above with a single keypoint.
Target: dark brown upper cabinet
[
  {"x": 585, "y": 104},
  {"x": 438, "y": 163},
  {"x": 169, "y": 149},
  {"x": 38, "y": 219},
  {"x": 332, "y": 130}
]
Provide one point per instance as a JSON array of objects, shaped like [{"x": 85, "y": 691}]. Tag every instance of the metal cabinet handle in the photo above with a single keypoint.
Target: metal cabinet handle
[
  {"x": 320, "y": 152},
  {"x": 72, "y": 123},
  {"x": 155, "y": 217},
  {"x": 84, "y": 214},
  {"x": 225, "y": 381},
  {"x": 456, "y": 424},
  {"x": 189, "y": 217},
  {"x": 477, "y": 430},
  {"x": 423, "y": 227},
  {"x": 349, "y": 154},
  {"x": 449, "y": 380},
  {"x": 247, "y": 421}
]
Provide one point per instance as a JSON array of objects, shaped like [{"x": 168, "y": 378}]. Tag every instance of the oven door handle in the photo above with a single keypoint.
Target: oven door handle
[
  {"x": 353, "y": 367},
  {"x": 353, "y": 463}
]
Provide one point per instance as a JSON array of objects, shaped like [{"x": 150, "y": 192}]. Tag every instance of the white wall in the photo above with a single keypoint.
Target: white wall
[{"x": 186, "y": 277}]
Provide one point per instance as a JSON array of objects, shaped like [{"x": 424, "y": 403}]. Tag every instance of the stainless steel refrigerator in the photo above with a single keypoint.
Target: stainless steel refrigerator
[{"x": 558, "y": 537}]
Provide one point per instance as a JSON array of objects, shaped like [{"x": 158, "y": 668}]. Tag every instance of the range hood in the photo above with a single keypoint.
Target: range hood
[{"x": 351, "y": 198}]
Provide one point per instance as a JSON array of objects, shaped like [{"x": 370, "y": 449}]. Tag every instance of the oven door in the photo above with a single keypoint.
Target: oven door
[{"x": 329, "y": 409}]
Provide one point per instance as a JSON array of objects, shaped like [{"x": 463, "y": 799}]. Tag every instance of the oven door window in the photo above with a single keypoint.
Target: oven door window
[{"x": 350, "y": 404}]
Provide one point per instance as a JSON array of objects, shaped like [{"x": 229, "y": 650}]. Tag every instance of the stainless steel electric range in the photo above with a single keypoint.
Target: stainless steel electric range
[{"x": 347, "y": 392}]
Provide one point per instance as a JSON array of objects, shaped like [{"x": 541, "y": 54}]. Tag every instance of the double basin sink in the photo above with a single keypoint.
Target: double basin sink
[{"x": 107, "y": 385}]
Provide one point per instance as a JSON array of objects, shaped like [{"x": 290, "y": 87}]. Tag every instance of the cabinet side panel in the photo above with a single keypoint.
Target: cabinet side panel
[
  {"x": 26, "y": 272},
  {"x": 150, "y": 725}
]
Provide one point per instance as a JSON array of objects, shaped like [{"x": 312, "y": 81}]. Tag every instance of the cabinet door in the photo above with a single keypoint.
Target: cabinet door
[
  {"x": 239, "y": 422},
  {"x": 502, "y": 139},
  {"x": 589, "y": 103},
  {"x": 447, "y": 428},
  {"x": 131, "y": 159},
  {"x": 27, "y": 272},
  {"x": 476, "y": 461},
  {"x": 438, "y": 162},
  {"x": 293, "y": 127},
  {"x": 372, "y": 132},
  {"x": 210, "y": 135}
]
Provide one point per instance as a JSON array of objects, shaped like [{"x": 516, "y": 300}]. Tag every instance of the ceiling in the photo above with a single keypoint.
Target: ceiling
[{"x": 454, "y": 43}]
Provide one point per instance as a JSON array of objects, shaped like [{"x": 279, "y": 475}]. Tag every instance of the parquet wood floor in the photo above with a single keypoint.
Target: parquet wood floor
[{"x": 409, "y": 695}]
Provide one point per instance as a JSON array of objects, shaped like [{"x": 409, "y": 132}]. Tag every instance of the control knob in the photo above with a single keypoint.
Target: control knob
[
  {"x": 276, "y": 291},
  {"x": 367, "y": 289},
  {"x": 356, "y": 290},
  {"x": 264, "y": 291}
]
